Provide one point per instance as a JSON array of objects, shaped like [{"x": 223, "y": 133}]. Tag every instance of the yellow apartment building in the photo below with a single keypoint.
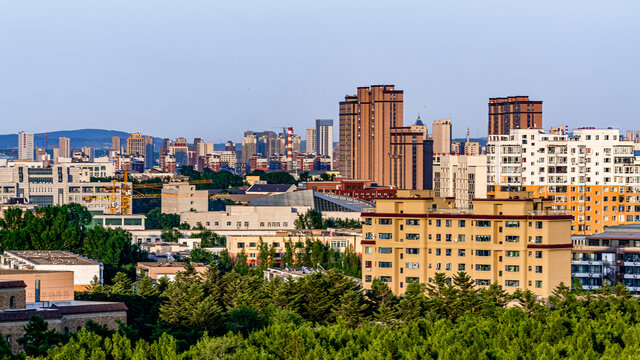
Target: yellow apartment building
[{"x": 514, "y": 240}]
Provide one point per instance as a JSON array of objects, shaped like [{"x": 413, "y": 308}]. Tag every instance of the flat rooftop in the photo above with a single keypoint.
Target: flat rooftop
[
  {"x": 167, "y": 265},
  {"x": 50, "y": 257},
  {"x": 26, "y": 272}
]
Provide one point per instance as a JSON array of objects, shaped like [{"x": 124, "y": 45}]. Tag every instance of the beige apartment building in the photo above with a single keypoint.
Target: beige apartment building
[
  {"x": 245, "y": 218},
  {"x": 441, "y": 136},
  {"x": 514, "y": 241},
  {"x": 462, "y": 177},
  {"x": 180, "y": 197}
]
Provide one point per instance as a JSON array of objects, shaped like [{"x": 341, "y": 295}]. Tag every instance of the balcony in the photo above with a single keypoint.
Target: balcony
[{"x": 548, "y": 212}]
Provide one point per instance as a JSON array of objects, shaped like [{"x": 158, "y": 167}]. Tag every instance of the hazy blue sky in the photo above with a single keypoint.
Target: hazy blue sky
[{"x": 214, "y": 69}]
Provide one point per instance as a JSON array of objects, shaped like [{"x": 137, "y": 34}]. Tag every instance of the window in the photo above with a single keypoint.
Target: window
[
  {"x": 448, "y": 237},
  {"x": 438, "y": 237},
  {"x": 413, "y": 236},
  {"x": 412, "y": 265},
  {"x": 461, "y": 252},
  {"x": 511, "y": 268},
  {"x": 483, "y": 238},
  {"x": 512, "y": 253},
  {"x": 538, "y": 224},
  {"x": 483, "y": 223},
  {"x": 384, "y": 236},
  {"x": 385, "y": 221},
  {"x": 369, "y": 236},
  {"x": 538, "y": 284},
  {"x": 368, "y": 250},
  {"x": 412, "y": 251},
  {"x": 413, "y": 222},
  {"x": 437, "y": 252},
  {"x": 384, "y": 250},
  {"x": 240, "y": 245},
  {"x": 448, "y": 223},
  {"x": 483, "y": 252},
  {"x": 512, "y": 224},
  {"x": 367, "y": 264},
  {"x": 538, "y": 254},
  {"x": 512, "y": 238},
  {"x": 438, "y": 266},
  {"x": 384, "y": 264},
  {"x": 483, "y": 267},
  {"x": 447, "y": 266},
  {"x": 483, "y": 282},
  {"x": 411, "y": 279},
  {"x": 386, "y": 279},
  {"x": 367, "y": 278},
  {"x": 448, "y": 252},
  {"x": 12, "y": 302},
  {"x": 461, "y": 267},
  {"x": 538, "y": 269},
  {"x": 538, "y": 239},
  {"x": 367, "y": 221},
  {"x": 512, "y": 283},
  {"x": 461, "y": 238},
  {"x": 461, "y": 223}
]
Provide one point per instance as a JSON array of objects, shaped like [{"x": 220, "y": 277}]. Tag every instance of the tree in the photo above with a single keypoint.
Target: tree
[
  {"x": 278, "y": 177},
  {"x": 171, "y": 235},
  {"x": 351, "y": 308},
  {"x": 157, "y": 220},
  {"x": 37, "y": 338}
]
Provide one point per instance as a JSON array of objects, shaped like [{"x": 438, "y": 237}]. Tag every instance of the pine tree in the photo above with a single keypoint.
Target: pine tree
[
  {"x": 351, "y": 308},
  {"x": 37, "y": 338}
]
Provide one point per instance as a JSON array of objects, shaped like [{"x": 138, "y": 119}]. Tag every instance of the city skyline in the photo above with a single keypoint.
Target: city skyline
[{"x": 186, "y": 72}]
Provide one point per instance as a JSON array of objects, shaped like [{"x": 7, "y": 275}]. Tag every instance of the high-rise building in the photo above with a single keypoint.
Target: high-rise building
[
  {"x": 25, "y": 145},
  {"x": 149, "y": 156},
  {"x": 249, "y": 147},
  {"x": 324, "y": 136},
  {"x": 88, "y": 152},
  {"x": 311, "y": 141},
  {"x": 230, "y": 146},
  {"x": 374, "y": 144},
  {"x": 441, "y": 136},
  {"x": 115, "y": 144},
  {"x": 64, "y": 144},
  {"x": 135, "y": 144},
  {"x": 591, "y": 173},
  {"x": 513, "y": 241},
  {"x": 514, "y": 112},
  {"x": 471, "y": 148}
]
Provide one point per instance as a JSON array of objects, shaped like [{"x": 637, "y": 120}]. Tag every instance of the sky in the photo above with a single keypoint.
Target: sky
[{"x": 214, "y": 69}]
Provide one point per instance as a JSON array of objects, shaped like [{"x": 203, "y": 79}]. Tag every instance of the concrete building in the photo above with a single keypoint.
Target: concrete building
[
  {"x": 249, "y": 147},
  {"x": 462, "y": 177},
  {"x": 58, "y": 185},
  {"x": 84, "y": 270},
  {"x": 127, "y": 222},
  {"x": 43, "y": 285},
  {"x": 375, "y": 145},
  {"x": 135, "y": 144},
  {"x": 441, "y": 136},
  {"x": 64, "y": 146},
  {"x": 310, "y": 147},
  {"x": 591, "y": 173},
  {"x": 116, "y": 144},
  {"x": 471, "y": 148},
  {"x": 270, "y": 189},
  {"x": 63, "y": 316},
  {"x": 324, "y": 138},
  {"x": 339, "y": 241},
  {"x": 181, "y": 197},
  {"x": 612, "y": 256},
  {"x": 155, "y": 270},
  {"x": 244, "y": 218},
  {"x": 25, "y": 146},
  {"x": 88, "y": 152},
  {"x": 513, "y": 112},
  {"x": 516, "y": 242}
]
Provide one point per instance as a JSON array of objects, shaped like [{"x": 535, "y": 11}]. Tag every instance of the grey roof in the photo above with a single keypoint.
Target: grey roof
[
  {"x": 315, "y": 200},
  {"x": 270, "y": 188}
]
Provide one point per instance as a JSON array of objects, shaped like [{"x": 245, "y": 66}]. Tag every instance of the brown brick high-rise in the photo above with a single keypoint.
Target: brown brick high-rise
[
  {"x": 514, "y": 112},
  {"x": 374, "y": 144}
]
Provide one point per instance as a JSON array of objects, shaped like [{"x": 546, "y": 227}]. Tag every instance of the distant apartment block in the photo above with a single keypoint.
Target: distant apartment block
[
  {"x": 592, "y": 173},
  {"x": 513, "y": 112},
  {"x": 324, "y": 136},
  {"x": 463, "y": 177},
  {"x": 181, "y": 197},
  {"x": 441, "y": 136},
  {"x": 25, "y": 146},
  {"x": 310, "y": 141}
]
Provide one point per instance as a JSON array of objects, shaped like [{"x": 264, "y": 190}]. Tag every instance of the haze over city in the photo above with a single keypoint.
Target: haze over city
[{"x": 215, "y": 69}]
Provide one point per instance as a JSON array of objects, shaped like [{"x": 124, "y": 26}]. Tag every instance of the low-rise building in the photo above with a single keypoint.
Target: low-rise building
[
  {"x": 155, "y": 270},
  {"x": 43, "y": 285},
  {"x": 612, "y": 255},
  {"x": 124, "y": 221},
  {"x": 512, "y": 240},
  {"x": 244, "y": 218},
  {"x": 84, "y": 269},
  {"x": 66, "y": 317}
]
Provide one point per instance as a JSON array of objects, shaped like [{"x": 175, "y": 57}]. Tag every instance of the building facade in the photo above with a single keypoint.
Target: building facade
[
  {"x": 180, "y": 197},
  {"x": 375, "y": 145},
  {"x": 310, "y": 146},
  {"x": 441, "y": 136},
  {"x": 25, "y": 145},
  {"x": 324, "y": 138},
  {"x": 591, "y": 173},
  {"x": 462, "y": 177},
  {"x": 516, "y": 242},
  {"x": 513, "y": 112}
]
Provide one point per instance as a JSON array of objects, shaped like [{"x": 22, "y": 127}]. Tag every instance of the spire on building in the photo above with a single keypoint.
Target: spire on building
[{"x": 418, "y": 121}]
